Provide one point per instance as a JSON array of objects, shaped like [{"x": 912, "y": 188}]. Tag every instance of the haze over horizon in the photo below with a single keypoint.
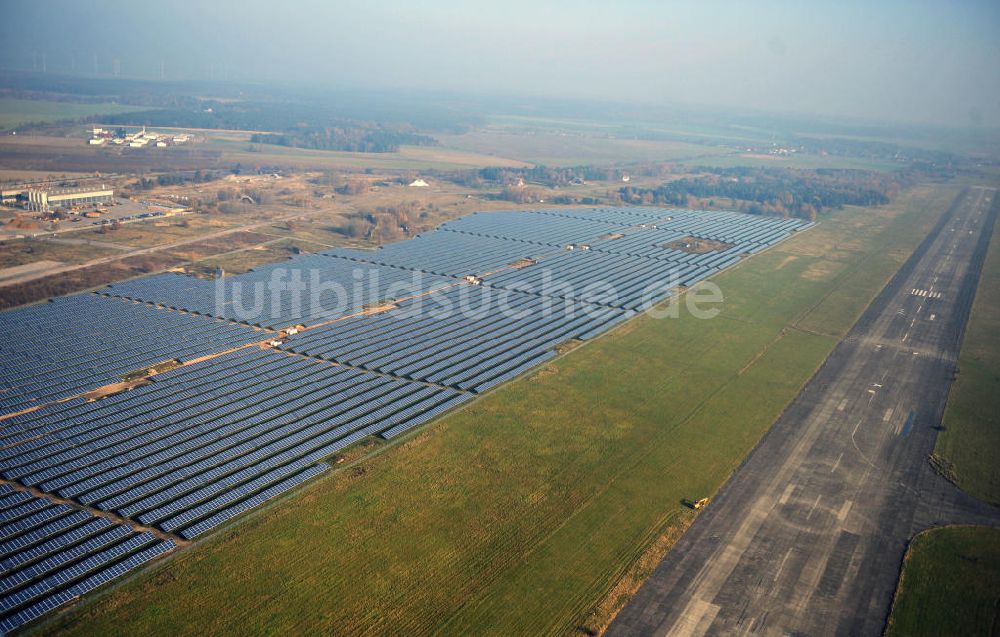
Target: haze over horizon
[{"x": 899, "y": 62}]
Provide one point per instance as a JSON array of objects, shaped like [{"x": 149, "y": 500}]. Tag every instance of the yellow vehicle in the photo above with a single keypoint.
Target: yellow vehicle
[{"x": 700, "y": 504}]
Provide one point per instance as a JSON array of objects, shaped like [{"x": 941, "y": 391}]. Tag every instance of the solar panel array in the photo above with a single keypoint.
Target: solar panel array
[
  {"x": 629, "y": 267},
  {"x": 239, "y": 424},
  {"x": 469, "y": 337},
  {"x": 326, "y": 288},
  {"x": 200, "y": 439},
  {"x": 52, "y": 553},
  {"x": 452, "y": 254},
  {"x": 533, "y": 227},
  {"x": 76, "y": 343}
]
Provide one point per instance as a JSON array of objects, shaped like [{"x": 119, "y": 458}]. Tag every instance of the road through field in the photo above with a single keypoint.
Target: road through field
[
  {"x": 807, "y": 537},
  {"x": 60, "y": 268}
]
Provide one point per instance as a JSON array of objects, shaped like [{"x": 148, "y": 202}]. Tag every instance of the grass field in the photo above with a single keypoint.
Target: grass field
[
  {"x": 240, "y": 261},
  {"x": 731, "y": 160},
  {"x": 970, "y": 441},
  {"x": 555, "y": 149},
  {"x": 538, "y": 508},
  {"x": 15, "y": 112},
  {"x": 568, "y": 142},
  {"x": 950, "y": 584},
  {"x": 15, "y": 253},
  {"x": 236, "y": 148},
  {"x": 156, "y": 233}
]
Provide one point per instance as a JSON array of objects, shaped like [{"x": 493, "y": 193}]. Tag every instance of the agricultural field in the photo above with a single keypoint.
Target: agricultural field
[
  {"x": 950, "y": 584},
  {"x": 541, "y": 506},
  {"x": 970, "y": 440},
  {"x": 18, "y": 112}
]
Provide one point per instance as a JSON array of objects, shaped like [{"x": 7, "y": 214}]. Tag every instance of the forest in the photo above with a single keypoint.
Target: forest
[{"x": 777, "y": 191}]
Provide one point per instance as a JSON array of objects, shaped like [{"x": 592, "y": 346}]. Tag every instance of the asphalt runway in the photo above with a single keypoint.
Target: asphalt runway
[{"x": 808, "y": 536}]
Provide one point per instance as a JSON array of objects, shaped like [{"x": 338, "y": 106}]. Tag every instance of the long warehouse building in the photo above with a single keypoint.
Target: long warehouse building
[{"x": 45, "y": 200}]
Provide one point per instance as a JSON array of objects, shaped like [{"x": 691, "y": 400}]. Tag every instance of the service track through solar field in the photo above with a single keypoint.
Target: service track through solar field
[{"x": 269, "y": 374}]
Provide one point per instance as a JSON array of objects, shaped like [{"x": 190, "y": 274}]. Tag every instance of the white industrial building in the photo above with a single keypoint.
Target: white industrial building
[{"x": 41, "y": 200}]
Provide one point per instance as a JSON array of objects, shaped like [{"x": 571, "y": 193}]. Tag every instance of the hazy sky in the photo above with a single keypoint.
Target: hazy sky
[{"x": 899, "y": 61}]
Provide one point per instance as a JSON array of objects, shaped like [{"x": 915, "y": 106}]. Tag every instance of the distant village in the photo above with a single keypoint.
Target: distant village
[{"x": 139, "y": 139}]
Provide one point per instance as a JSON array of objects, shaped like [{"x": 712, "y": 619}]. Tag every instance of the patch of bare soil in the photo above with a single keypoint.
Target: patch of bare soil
[{"x": 696, "y": 245}]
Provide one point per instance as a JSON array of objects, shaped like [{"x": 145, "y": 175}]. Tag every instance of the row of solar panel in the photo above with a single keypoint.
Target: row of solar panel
[
  {"x": 174, "y": 458},
  {"x": 450, "y": 254},
  {"x": 530, "y": 227},
  {"x": 28, "y": 428},
  {"x": 614, "y": 280},
  {"x": 51, "y": 553},
  {"x": 465, "y": 349},
  {"x": 73, "y": 344},
  {"x": 305, "y": 290},
  {"x": 622, "y": 216}
]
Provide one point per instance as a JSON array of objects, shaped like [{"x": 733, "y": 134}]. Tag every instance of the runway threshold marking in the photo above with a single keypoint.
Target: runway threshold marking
[
  {"x": 696, "y": 621},
  {"x": 781, "y": 566},
  {"x": 812, "y": 509},
  {"x": 845, "y": 509},
  {"x": 786, "y": 494}
]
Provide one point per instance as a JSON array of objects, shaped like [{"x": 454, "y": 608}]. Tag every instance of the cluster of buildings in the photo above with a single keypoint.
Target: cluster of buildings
[{"x": 140, "y": 139}]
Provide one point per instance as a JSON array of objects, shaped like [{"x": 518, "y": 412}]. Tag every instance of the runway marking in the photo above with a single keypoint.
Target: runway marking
[
  {"x": 843, "y": 403},
  {"x": 712, "y": 575},
  {"x": 788, "y": 492},
  {"x": 844, "y": 510},
  {"x": 854, "y": 441},
  {"x": 781, "y": 566},
  {"x": 696, "y": 620},
  {"x": 912, "y": 321},
  {"x": 888, "y": 414},
  {"x": 837, "y": 463},
  {"x": 813, "y": 507}
]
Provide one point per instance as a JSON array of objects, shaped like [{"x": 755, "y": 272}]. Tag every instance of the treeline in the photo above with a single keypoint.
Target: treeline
[
  {"x": 875, "y": 150},
  {"x": 552, "y": 177},
  {"x": 546, "y": 176},
  {"x": 357, "y": 139},
  {"x": 775, "y": 191},
  {"x": 177, "y": 179},
  {"x": 385, "y": 224}
]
